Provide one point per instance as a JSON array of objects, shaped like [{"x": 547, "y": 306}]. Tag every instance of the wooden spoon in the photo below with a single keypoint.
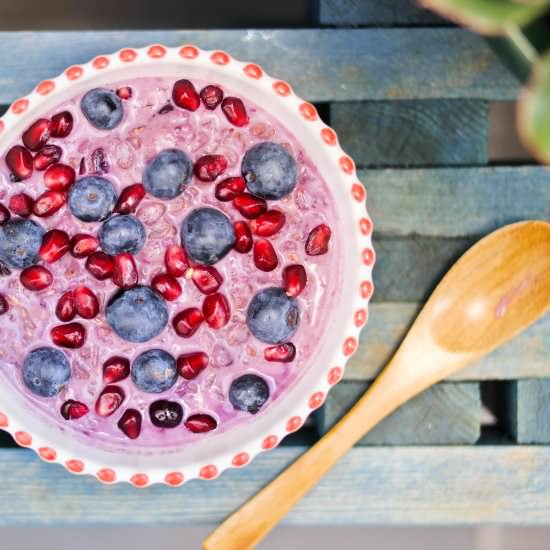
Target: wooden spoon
[{"x": 495, "y": 290}]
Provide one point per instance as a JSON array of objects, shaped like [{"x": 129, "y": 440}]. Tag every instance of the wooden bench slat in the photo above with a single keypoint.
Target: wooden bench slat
[
  {"x": 370, "y": 486},
  {"x": 321, "y": 64},
  {"x": 427, "y": 132}
]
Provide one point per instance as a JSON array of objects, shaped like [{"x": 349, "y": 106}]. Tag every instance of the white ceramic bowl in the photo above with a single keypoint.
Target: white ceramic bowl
[{"x": 236, "y": 447}]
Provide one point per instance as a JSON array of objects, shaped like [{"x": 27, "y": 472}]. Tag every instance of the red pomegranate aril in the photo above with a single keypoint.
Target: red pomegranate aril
[
  {"x": 124, "y": 93},
  {"x": 167, "y": 286},
  {"x": 317, "y": 241},
  {"x": 190, "y": 365},
  {"x": 50, "y": 154},
  {"x": 55, "y": 244},
  {"x": 4, "y": 306},
  {"x": 4, "y": 214},
  {"x": 282, "y": 353},
  {"x": 73, "y": 410},
  {"x": 125, "y": 274},
  {"x": 294, "y": 279},
  {"x": 211, "y": 96},
  {"x": 249, "y": 206},
  {"x": 59, "y": 177},
  {"x": 85, "y": 302},
  {"x": 21, "y": 205},
  {"x": 83, "y": 245},
  {"x": 99, "y": 161},
  {"x": 209, "y": 167},
  {"x": 130, "y": 423},
  {"x": 187, "y": 322},
  {"x": 36, "y": 277},
  {"x": 206, "y": 278},
  {"x": 200, "y": 423},
  {"x": 268, "y": 223},
  {"x": 19, "y": 161},
  {"x": 265, "y": 257},
  {"x": 216, "y": 311},
  {"x": 229, "y": 188},
  {"x": 116, "y": 369},
  {"x": 185, "y": 96},
  {"x": 65, "y": 309},
  {"x": 243, "y": 237},
  {"x": 100, "y": 265},
  {"x": 129, "y": 199},
  {"x": 71, "y": 335},
  {"x": 109, "y": 400},
  {"x": 61, "y": 124},
  {"x": 176, "y": 261},
  {"x": 37, "y": 134},
  {"x": 234, "y": 110},
  {"x": 49, "y": 203}
]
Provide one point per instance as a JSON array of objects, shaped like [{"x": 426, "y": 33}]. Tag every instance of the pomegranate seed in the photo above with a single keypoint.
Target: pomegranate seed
[
  {"x": 100, "y": 265},
  {"x": 229, "y": 188},
  {"x": 82, "y": 169},
  {"x": 4, "y": 214},
  {"x": 129, "y": 199},
  {"x": 243, "y": 237},
  {"x": 207, "y": 278},
  {"x": 61, "y": 124},
  {"x": 294, "y": 279},
  {"x": 125, "y": 273},
  {"x": 282, "y": 353},
  {"x": 50, "y": 154},
  {"x": 209, "y": 167},
  {"x": 21, "y": 205},
  {"x": 167, "y": 286},
  {"x": 4, "y": 306},
  {"x": 65, "y": 308},
  {"x": 124, "y": 93},
  {"x": 234, "y": 110},
  {"x": 166, "y": 109},
  {"x": 71, "y": 335},
  {"x": 130, "y": 423},
  {"x": 215, "y": 310},
  {"x": 268, "y": 223},
  {"x": 187, "y": 322},
  {"x": 109, "y": 400},
  {"x": 265, "y": 257},
  {"x": 185, "y": 96},
  {"x": 19, "y": 162},
  {"x": 83, "y": 245},
  {"x": 116, "y": 369},
  {"x": 73, "y": 410},
  {"x": 36, "y": 135},
  {"x": 49, "y": 203},
  {"x": 249, "y": 206},
  {"x": 211, "y": 96},
  {"x": 190, "y": 365},
  {"x": 36, "y": 277},
  {"x": 176, "y": 261},
  {"x": 59, "y": 177},
  {"x": 85, "y": 302},
  {"x": 99, "y": 161},
  {"x": 55, "y": 244},
  {"x": 317, "y": 241},
  {"x": 200, "y": 423}
]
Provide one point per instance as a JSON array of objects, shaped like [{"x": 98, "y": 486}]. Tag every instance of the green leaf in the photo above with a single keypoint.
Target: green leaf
[
  {"x": 534, "y": 111},
  {"x": 488, "y": 16}
]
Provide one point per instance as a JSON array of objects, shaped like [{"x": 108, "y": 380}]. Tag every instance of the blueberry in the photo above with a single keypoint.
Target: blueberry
[
  {"x": 272, "y": 316},
  {"x": 248, "y": 393},
  {"x": 20, "y": 241},
  {"x": 92, "y": 199},
  {"x": 208, "y": 235},
  {"x": 167, "y": 174},
  {"x": 137, "y": 314},
  {"x": 122, "y": 234},
  {"x": 46, "y": 371},
  {"x": 166, "y": 414},
  {"x": 154, "y": 371},
  {"x": 102, "y": 108},
  {"x": 269, "y": 170}
]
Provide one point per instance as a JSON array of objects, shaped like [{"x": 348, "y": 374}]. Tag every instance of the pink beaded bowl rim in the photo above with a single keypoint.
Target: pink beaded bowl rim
[{"x": 321, "y": 142}]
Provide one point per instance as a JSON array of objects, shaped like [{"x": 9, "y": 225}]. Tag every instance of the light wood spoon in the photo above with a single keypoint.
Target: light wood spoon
[{"x": 493, "y": 292}]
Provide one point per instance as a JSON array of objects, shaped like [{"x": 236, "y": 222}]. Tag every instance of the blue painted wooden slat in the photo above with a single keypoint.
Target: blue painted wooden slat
[
  {"x": 322, "y": 65},
  {"x": 371, "y": 486}
]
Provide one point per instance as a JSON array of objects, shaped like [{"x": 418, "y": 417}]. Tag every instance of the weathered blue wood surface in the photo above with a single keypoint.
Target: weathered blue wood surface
[
  {"x": 322, "y": 65},
  {"x": 371, "y": 486},
  {"x": 526, "y": 356},
  {"x": 446, "y": 414},
  {"x": 413, "y": 133}
]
